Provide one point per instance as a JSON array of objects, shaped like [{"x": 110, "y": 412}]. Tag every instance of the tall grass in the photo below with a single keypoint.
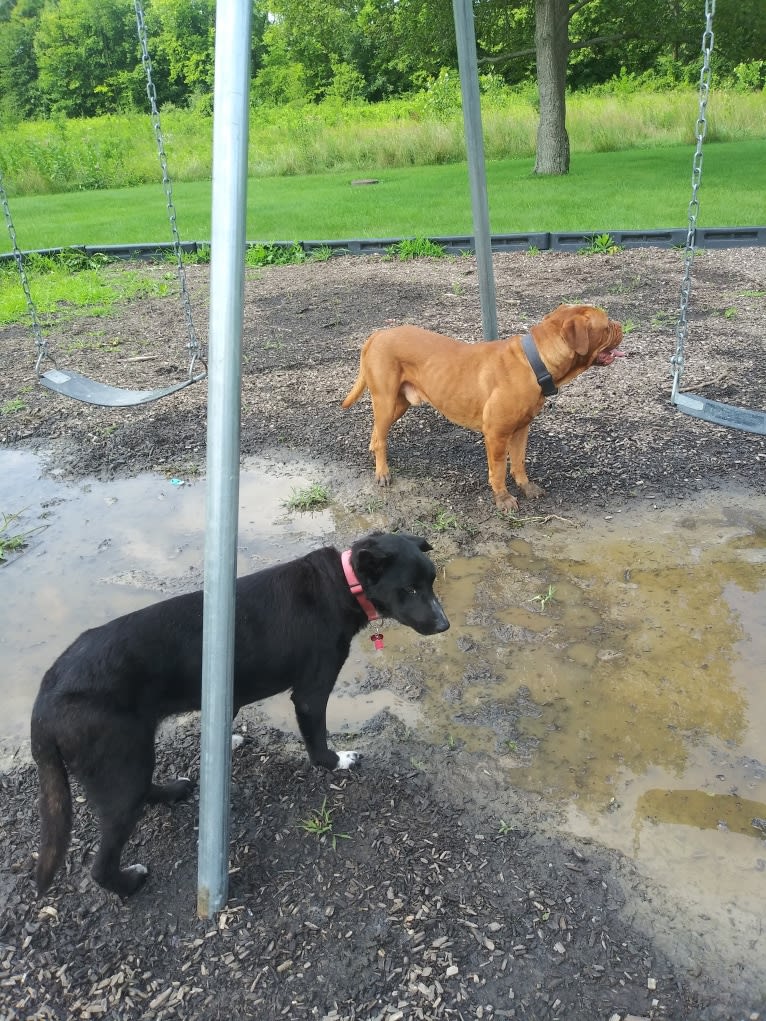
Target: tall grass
[{"x": 426, "y": 129}]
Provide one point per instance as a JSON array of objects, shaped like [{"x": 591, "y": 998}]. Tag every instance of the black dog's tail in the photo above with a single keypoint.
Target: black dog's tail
[{"x": 55, "y": 805}]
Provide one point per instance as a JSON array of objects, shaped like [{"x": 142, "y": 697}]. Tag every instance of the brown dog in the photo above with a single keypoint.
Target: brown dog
[{"x": 490, "y": 386}]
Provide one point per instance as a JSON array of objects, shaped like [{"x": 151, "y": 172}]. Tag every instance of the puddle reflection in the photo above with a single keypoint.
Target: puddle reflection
[{"x": 110, "y": 548}]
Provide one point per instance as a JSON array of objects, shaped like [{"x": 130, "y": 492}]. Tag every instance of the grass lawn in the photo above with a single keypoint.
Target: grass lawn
[{"x": 637, "y": 189}]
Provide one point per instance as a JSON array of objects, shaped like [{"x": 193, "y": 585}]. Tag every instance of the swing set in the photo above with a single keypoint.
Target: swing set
[
  {"x": 73, "y": 384},
  {"x": 79, "y": 387},
  {"x": 747, "y": 419}
]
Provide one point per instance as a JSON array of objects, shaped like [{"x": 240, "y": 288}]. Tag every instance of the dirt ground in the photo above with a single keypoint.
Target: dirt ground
[{"x": 422, "y": 906}]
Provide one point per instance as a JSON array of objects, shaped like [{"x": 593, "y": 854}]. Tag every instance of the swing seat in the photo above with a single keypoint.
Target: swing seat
[
  {"x": 80, "y": 388},
  {"x": 746, "y": 419}
]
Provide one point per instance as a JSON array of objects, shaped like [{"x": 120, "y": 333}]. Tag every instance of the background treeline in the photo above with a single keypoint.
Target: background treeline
[{"x": 77, "y": 58}]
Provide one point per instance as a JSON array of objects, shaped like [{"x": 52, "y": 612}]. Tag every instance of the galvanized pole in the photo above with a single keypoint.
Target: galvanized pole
[
  {"x": 474, "y": 141},
  {"x": 230, "y": 134}
]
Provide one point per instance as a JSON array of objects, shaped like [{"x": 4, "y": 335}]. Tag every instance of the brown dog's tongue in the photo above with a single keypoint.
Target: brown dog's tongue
[{"x": 607, "y": 357}]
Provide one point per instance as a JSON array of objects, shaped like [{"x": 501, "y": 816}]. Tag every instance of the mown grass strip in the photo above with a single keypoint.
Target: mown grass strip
[{"x": 636, "y": 190}]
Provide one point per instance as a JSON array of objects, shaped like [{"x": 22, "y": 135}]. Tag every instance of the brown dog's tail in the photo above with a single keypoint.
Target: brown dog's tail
[
  {"x": 360, "y": 386},
  {"x": 55, "y": 804},
  {"x": 356, "y": 390}
]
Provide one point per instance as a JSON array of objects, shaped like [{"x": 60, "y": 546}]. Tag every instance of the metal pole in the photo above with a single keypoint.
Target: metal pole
[
  {"x": 474, "y": 141},
  {"x": 230, "y": 133}
]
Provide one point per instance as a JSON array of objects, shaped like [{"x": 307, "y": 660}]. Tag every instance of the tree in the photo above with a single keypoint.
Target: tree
[
  {"x": 86, "y": 54},
  {"x": 181, "y": 39},
  {"x": 586, "y": 42},
  {"x": 552, "y": 46},
  {"x": 19, "y": 96},
  {"x": 182, "y": 46}
]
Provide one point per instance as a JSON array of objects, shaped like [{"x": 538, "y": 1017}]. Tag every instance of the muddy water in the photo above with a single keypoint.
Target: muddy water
[
  {"x": 617, "y": 668},
  {"x": 97, "y": 550}
]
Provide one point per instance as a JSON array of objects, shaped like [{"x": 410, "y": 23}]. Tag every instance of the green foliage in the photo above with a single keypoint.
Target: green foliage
[
  {"x": 66, "y": 283},
  {"x": 13, "y": 542},
  {"x": 443, "y": 521},
  {"x": 600, "y": 244},
  {"x": 638, "y": 189},
  {"x": 118, "y": 151},
  {"x": 12, "y": 406},
  {"x": 441, "y": 97},
  {"x": 200, "y": 257},
  {"x": 264, "y": 254},
  {"x": 314, "y": 497},
  {"x": 78, "y": 58},
  {"x": 18, "y": 68},
  {"x": 750, "y": 76},
  {"x": 322, "y": 254},
  {"x": 545, "y": 598},
  {"x": 320, "y": 824},
  {"x": 86, "y": 56},
  {"x": 415, "y": 248},
  {"x": 182, "y": 48}
]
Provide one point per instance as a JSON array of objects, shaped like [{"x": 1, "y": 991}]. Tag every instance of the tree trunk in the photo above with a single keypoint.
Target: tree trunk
[{"x": 552, "y": 51}]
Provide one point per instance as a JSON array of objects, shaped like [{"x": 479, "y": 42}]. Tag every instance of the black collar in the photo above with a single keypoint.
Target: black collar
[{"x": 544, "y": 377}]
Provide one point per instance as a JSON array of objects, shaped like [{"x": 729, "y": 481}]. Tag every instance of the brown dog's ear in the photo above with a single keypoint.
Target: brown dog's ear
[{"x": 576, "y": 332}]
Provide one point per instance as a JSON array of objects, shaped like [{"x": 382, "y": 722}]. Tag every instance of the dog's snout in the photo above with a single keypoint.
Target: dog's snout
[{"x": 440, "y": 622}]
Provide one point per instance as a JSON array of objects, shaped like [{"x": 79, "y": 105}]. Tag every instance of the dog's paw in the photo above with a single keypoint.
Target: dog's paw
[
  {"x": 182, "y": 788},
  {"x": 505, "y": 502},
  {"x": 237, "y": 740},
  {"x": 348, "y": 759},
  {"x": 132, "y": 879},
  {"x": 532, "y": 491}
]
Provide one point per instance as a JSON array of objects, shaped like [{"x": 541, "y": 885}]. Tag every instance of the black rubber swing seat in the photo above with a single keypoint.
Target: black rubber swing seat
[
  {"x": 80, "y": 388},
  {"x": 746, "y": 419}
]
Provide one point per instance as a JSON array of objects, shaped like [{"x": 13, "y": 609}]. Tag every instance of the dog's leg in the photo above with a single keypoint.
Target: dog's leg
[
  {"x": 311, "y": 713},
  {"x": 106, "y": 867},
  {"x": 385, "y": 410},
  {"x": 117, "y": 781},
  {"x": 495, "y": 446},
  {"x": 517, "y": 452}
]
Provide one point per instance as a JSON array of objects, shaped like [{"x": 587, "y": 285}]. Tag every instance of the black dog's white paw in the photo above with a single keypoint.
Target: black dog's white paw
[
  {"x": 132, "y": 879},
  {"x": 348, "y": 759}
]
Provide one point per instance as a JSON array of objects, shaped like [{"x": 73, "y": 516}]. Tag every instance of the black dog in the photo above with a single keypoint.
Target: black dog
[{"x": 99, "y": 705}]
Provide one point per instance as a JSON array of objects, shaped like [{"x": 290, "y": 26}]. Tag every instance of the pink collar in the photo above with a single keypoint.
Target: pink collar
[{"x": 356, "y": 587}]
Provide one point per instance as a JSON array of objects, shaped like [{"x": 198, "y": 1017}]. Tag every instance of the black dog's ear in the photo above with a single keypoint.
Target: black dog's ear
[
  {"x": 422, "y": 544},
  {"x": 372, "y": 562}
]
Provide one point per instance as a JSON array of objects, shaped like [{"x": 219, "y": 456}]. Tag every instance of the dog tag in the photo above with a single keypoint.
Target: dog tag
[{"x": 377, "y": 640}]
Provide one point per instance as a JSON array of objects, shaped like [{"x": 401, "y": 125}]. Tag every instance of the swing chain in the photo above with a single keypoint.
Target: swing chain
[
  {"x": 682, "y": 327},
  {"x": 40, "y": 342},
  {"x": 193, "y": 344}
]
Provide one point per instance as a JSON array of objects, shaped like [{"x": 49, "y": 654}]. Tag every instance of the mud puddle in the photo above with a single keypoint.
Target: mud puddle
[
  {"x": 99, "y": 549},
  {"x": 616, "y": 669}
]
